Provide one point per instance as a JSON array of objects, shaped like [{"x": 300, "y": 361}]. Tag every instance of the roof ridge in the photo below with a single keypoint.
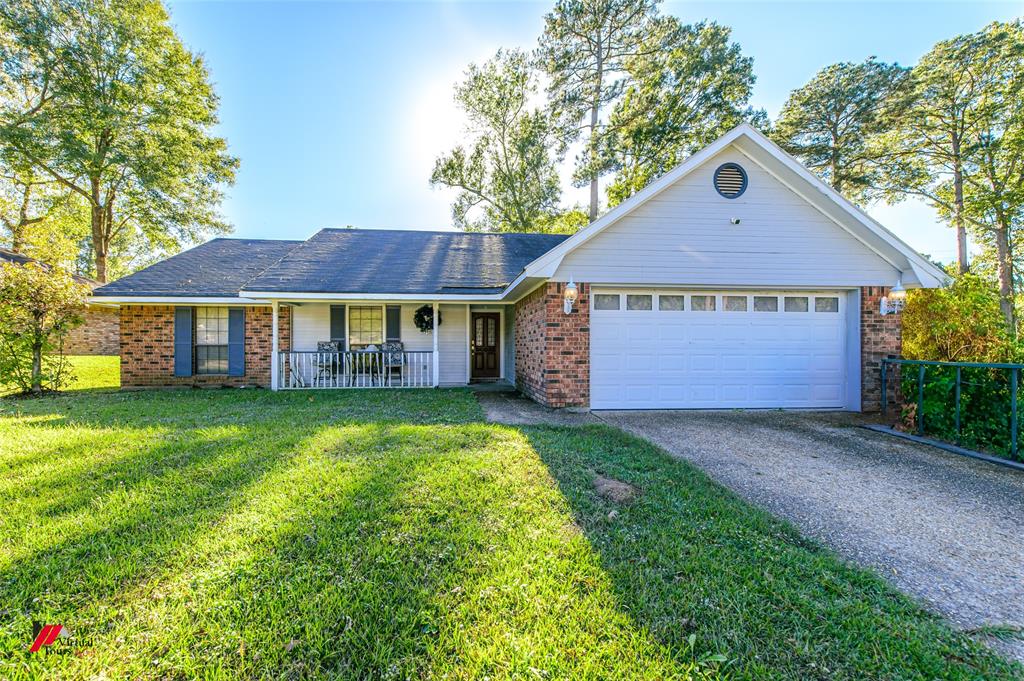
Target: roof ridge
[{"x": 366, "y": 230}]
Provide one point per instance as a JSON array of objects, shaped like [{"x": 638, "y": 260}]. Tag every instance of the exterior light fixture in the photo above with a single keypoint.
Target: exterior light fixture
[
  {"x": 897, "y": 298},
  {"x": 569, "y": 296}
]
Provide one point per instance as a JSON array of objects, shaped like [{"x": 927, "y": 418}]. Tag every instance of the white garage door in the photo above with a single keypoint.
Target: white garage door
[{"x": 717, "y": 349}]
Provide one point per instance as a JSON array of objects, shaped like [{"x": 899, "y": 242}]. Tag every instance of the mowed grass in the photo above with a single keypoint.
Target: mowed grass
[
  {"x": 89, "y": 372},
  {"x": 375, "y": 534}
]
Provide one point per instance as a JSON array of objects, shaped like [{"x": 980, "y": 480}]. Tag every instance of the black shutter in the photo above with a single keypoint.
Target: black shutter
[
  {"x": 338, "y": 324},
  {"x": 183, "y": 341},
  {"x": 393, "y": 328},
  {"x": 236, "y": 341}
]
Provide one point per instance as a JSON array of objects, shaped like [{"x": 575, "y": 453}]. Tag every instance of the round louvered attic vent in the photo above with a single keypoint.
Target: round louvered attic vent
[{"x": 730, "y": 180}]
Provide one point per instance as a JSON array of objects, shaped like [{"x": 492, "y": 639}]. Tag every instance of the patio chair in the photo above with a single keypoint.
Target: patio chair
[
  {"x": 393, "y": 359},
  {"x": 328, "y": 364}
]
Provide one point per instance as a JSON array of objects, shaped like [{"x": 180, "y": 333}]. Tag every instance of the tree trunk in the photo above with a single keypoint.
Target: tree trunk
[
  {"x": 1004, "y": 270},
  {"x": 18, "y": 231},
  {"x": 98, "y": 218},
  {"x": 37, "y": 367},
  {"x": 958, "y": 214},
  {"x": 595, "y": 190},
  {"x": 595, "y": 112}
]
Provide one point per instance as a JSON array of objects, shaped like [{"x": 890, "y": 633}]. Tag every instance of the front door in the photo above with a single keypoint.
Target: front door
[{"x": 484, "y": 345}]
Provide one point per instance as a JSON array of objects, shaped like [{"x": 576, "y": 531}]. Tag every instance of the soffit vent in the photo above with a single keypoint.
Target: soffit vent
[{"x": 730, "y": 180}]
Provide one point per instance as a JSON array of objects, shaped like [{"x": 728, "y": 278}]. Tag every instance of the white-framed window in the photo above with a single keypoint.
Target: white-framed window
[
  {"x": 702, "y": 303},
  {"x": 826, "y": 304},
  {"x": 734, "y": 303},
  {"x": 365, "y": 326},
  {"x": 606, "y": 301},
  {"x": 211, "y": 345},
  {"x": 766, "y": 303},
  {"x": 638, "y": 301},
  {"x": 796, "y": 304},
  {"x": 671, "y": 303}
]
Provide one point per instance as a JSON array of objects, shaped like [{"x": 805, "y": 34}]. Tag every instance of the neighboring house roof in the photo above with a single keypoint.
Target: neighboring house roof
[
  {"x": 20, "y": 259},
  {"x": 218, "y": 268},
  {"x": 917, "y": 270},
  {"x": 403, "y": 262}
]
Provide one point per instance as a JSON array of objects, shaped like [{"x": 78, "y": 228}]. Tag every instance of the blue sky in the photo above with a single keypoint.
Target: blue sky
[{"x": 338, "y": 109}]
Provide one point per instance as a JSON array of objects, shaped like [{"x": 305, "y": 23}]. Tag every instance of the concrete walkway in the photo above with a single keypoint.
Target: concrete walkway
[{"x": 946, "y": 529}]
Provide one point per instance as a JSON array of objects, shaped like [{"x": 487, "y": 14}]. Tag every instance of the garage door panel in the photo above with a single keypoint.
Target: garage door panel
[{"x": 685, "y": 359}]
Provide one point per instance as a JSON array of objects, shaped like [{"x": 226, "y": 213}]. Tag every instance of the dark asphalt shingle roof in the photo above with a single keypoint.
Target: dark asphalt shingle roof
[
  {"x": 218, "y": 268},
  {"x": 19, "y": 259},
  {"x": 404, "y": 261},
  {"x": 342, "y": 261}
]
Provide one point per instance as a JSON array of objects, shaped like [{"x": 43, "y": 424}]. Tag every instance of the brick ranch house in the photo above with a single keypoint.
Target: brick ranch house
[
  {"x": 99, "y": 332},
  {"x": 738, "y": 279}
]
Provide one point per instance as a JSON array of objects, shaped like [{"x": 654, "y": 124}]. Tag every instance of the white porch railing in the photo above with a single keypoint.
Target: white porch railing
[{"x": 355, "y": 369}]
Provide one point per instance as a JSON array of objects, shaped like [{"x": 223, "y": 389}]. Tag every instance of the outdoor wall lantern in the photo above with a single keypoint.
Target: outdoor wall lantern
[
  {"x": 893, "y": 303},
  {"x": 569, "y": 296}
]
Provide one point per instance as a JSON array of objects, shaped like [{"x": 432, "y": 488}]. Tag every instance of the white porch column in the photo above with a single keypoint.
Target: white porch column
[
  {"x": 275, "y": 361},
  {"x": 436, "y": 359}
]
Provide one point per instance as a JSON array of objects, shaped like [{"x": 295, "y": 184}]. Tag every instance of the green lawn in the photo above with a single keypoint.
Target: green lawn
[
  {"x": 89, "y": 372},
  {"x": 372, "y": 534}
]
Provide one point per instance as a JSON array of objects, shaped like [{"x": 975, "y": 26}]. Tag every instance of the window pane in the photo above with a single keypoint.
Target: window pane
[
  {"x": 606, "y": 301},
  {"x": 734, "y": 303},
  {"x": 211, "y": 326},
  {"x": 826, "y": 304},
  {"x": 365, "y": 326},
  {"x": 673, "y": 303},
  {"x": 702, "y": 303},
  {"x": 638, "y": 302},
  {"x": 796, "y": 303},
  {"x": 766, "y": 304},
  {"x": 211, "y": 359}
]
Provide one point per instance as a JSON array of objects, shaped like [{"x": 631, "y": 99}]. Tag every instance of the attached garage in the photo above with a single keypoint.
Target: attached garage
[{"x": 677, "y": 349}]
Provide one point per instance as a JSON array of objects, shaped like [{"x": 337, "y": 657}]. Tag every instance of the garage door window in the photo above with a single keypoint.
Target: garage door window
[
  {"x": 638, "y": 302},
  {"x": 796, "y": 303},
  {"x": 734, "y": 303},
  {"x": 766, "y": 304},
  {"x": 702, "y": 303},
  {"x": 606, "y": 301},
  {"x": 671, "y": 303},
  {"x": 826, "y": 304}
]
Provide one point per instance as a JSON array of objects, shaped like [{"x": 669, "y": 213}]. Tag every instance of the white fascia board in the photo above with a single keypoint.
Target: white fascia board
[
  {"x": 921, "y": 266},
  {"x": 287, "y": 296},
  {"x": 175, "y": 300},
  {"x": 926, "y": 272}
]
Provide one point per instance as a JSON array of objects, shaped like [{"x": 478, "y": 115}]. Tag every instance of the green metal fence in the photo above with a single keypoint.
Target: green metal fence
[{"x": 972, "y": 404}]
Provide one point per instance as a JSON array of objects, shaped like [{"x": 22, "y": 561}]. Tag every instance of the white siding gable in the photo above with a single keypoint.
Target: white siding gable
[{"x": 683, "y": 236}]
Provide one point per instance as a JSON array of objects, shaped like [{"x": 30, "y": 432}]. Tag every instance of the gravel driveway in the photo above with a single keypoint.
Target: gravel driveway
[{"x": 944, "y": 528}]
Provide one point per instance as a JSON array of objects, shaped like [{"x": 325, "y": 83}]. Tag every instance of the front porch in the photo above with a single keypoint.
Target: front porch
[{"x": 379, "y": 344}]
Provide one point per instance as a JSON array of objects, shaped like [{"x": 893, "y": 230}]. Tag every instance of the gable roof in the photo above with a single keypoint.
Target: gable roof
[
  {"x": 217, "y": 268},
  {"x": 357, "y": 261},
  {"x": 20, "y": 259},
  {"x": 917, "y": 270}
]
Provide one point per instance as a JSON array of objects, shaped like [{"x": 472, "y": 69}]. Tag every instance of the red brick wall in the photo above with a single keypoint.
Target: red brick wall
[
  {"x": 879, "y": 337},
  {"x": 98, "y": 335},
  {"x": 553, "y": 348},
  {"x": 530, "y": 345},
  {"x": 147, "y": 348}
]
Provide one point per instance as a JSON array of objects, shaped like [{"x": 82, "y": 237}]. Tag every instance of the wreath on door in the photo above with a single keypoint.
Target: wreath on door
[{"x": 424, "y": 318}]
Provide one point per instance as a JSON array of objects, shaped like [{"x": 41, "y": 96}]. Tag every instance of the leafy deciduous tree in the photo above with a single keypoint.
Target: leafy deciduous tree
[
  {"x": 508, "y": 177},
  {"x": 121, "y": 117},
  {"x": 38, "y": 306}
]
